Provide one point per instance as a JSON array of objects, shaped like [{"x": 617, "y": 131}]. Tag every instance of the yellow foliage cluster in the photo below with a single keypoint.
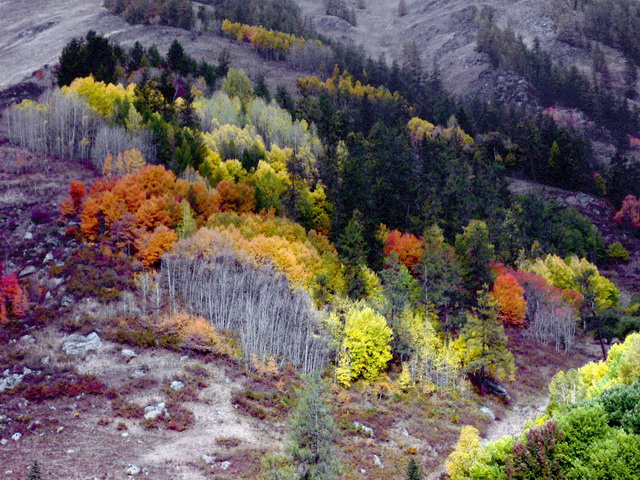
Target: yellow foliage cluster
[
  {"x": 126, "y": 162},
  {"x": 302, "y": 256},
  {"x": 464, "y": 455},
  {"x": 620, "y": 368},
  {"x": 577, "y": 274},
  {"x": 420, "y": 129},
  {"x": 436, "y": 364},
  {"x": 365, "y": 348},
  {"x": 278, "y": 43},
  {"x": 342, "y": 84},
  {"x": 101, "y": 97}
]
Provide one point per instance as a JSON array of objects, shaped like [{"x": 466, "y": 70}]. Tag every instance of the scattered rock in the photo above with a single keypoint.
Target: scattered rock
[
  {"x": 28, "y": 236},
  {"x": 367, "y": 430},
  {"x": 363, "y": 471},
  {"x": 377, "y": 461},
  {"x": 10, "y": 382},
  {"x": 67, "y": 301},
  {"x": 27, "y": 339},
  {"x": 184, "y": 358},
  {"x": 16, "y": 436},
  {"x": 154, "y": 411},
  {"x": 133, "y": 470},
  {"x": 77, "y": 344},
  {"x": 45, "y": 360},
  {"x": 176, "y": 386},
  {"x": 487, "y": 411},
  {"x": 405, "y": 432},
  {"x": 208, "y": 459},
  {"x": 127, "y": 352},
  {"x": 48, "y": 257},
  {"x": 137, "y": 374},
  {"x": 4, "y": 441},
  {"x": 28, "y": 271},
  {"x": 225, "y": 465}
]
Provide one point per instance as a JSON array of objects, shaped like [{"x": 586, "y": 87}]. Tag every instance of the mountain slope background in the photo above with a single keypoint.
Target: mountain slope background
[{"x": 445, "y": 33}]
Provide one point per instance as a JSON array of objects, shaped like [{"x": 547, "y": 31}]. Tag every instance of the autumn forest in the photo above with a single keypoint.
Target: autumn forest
[{"x": 355, "y": 236}]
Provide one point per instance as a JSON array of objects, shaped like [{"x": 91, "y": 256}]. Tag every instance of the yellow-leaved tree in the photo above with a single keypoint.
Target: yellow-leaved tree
[
  {"x": 365, "y": 349},
  {"x": 463, "y": 456}
]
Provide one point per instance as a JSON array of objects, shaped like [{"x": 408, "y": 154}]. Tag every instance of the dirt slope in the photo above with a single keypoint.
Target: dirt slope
[
  {"x": 35, "y": 32},
  {"x": 444, "y": 31}
]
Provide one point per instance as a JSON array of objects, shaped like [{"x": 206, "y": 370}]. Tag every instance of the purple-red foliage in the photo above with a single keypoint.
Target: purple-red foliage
[
  {"x": 84, "y": 384},
  {"x": 538, "y": 456}
]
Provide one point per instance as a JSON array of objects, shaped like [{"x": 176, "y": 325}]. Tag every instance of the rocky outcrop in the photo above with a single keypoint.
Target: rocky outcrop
[{"x": 77, "y": 344}]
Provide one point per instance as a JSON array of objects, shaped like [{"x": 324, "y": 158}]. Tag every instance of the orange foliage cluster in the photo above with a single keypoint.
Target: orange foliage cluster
[
  {"x": 236, "y": 197},
  {"x": 407, "y": 246},
  {"x": 512, "y": 288},
  {"x": 629, "y": 213},
  {"x": 13, "y": 301},
  {"x": 510, "y": 297},
  {"x": 141, "y": 210},
  {"x": 198, "y": 333}
]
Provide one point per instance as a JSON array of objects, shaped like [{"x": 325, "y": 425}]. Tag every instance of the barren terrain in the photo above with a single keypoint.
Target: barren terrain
[{"x": 34, "y": 33}]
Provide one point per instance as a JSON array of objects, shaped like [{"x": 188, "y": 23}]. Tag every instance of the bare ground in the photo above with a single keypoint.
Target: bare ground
[{"x": 35, "y": 32}]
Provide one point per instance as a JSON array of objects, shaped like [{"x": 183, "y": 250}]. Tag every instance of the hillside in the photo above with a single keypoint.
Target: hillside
[{"x": 243, "y": 253}]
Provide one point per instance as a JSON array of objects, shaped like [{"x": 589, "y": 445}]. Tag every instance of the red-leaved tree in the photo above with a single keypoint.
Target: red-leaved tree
[
  {"x": 407, "y": 246},
  {"x": 629, "y": 213},
  {"x": 13, "y": 301}
]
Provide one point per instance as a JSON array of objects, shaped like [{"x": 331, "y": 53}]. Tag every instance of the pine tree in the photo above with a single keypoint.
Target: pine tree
[
  {"x": 402, "y": 8},
  {"x": 413, "y": 471},
  {"x": 34, "y": 471},
  {"x": 187, "y": 226},
  {"x": 313, "y": 432},
  {"x": 486, "y": 352}
]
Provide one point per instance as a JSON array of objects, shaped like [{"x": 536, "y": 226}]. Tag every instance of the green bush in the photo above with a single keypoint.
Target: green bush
[{"x": 617, "y": 253}]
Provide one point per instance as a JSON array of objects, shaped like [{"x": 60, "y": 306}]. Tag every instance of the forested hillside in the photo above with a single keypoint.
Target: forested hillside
[{"x": 342, "y": 265}]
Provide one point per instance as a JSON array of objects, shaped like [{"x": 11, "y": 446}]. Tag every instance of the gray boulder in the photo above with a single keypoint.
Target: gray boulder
[{"x": 77, "y": 344}]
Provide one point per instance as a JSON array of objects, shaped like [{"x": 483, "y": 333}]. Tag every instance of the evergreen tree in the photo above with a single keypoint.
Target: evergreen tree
[
  {"x": 313, "y": 432},
  {"x": 413, "y": 471},
  {"x": 262, "y": 89},
  {"x": 475, "y": 251},
  {"x": 177, "y": 58},
  {"x": 283, "y": 97},
  {"x": 354, "y": 251},
  {"x": 485, "y": 344},
  {"x": 402, "y": 8},
  {"x": 34, "y": 471}
]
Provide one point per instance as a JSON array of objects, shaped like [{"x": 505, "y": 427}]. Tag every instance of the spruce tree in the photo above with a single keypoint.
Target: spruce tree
[
  {"x": 34, "y": 471},
  {"x": 313, "y": 432},
  {"x": 413, "y": 471}
]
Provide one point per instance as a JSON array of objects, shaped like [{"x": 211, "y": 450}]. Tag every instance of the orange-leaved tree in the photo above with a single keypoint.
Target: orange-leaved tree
[
  {"x": 13, "y": 301},
  {"x": 512, "y": 306},
  {"x": 140, "y": 210},
  {"x": 407, "y": 246}
]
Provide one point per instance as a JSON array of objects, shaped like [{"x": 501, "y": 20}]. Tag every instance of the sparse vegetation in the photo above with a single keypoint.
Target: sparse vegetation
[{"x": 359, "y": 235}]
